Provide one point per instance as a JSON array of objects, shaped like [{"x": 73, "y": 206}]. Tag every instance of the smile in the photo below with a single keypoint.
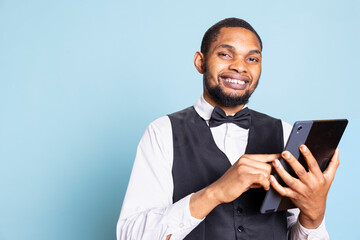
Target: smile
[{"x": 236, "y": 81}]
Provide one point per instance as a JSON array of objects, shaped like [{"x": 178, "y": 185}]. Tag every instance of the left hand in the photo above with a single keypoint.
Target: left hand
[{"x": 309, "y": 192}]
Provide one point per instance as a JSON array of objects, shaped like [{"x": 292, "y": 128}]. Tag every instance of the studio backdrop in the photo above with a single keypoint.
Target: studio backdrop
[{"x": 81, "y": 80}]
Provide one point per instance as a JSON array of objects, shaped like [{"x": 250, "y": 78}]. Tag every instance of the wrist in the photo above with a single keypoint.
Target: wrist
[
  {"x": 203, "y": 202},
  {"x": 311, "y": 222},
  {"x": 212, "y": 195}
]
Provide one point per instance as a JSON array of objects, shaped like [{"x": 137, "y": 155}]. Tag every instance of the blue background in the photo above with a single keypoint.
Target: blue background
[{"x": 81, "y": 80}]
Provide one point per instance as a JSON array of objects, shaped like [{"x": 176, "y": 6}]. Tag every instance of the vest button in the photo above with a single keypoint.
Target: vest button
[
  {"x": 240, "y": 228},
  {"x": 239, "y": 210}
]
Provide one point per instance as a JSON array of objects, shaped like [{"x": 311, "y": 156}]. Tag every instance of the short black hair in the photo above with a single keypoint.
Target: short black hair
[{"x": 212, "y": 33}]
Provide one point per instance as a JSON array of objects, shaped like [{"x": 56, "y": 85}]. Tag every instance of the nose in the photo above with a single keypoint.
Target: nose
[{"x": 238, "y": 65}]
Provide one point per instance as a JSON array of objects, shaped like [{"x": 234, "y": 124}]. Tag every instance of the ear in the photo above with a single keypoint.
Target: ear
[{"x": 199, "y": 61}]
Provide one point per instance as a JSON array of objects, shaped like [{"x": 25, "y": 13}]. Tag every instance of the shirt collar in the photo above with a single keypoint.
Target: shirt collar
[{"x": 204, "y": 109}]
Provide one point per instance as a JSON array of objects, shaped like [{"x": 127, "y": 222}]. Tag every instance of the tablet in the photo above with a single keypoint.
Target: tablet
[{"x": 322, "y": 138}]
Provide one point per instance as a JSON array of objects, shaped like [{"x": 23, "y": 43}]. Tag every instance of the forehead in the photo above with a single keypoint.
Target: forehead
[{"x": 237, "y": 37}]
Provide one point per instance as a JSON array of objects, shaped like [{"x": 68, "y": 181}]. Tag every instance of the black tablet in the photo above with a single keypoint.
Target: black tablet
[{"x": 322, "y": 138}]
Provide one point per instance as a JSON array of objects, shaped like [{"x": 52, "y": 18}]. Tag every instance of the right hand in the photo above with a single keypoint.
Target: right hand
[{"x": 250, "y": 171}]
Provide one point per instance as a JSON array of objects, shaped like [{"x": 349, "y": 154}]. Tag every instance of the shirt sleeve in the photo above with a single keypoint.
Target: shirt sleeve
[
  {"x": 295, "y": 230},
  {"x": 148, "y": 211},
  {"x": 298, "y": 232}
]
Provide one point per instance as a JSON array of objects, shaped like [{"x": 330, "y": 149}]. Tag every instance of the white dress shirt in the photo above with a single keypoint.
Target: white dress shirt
[{"x": 148, "y": 211}]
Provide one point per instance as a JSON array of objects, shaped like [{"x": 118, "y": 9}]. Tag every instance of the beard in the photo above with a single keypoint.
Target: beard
[{"x": 227, "y": 100}]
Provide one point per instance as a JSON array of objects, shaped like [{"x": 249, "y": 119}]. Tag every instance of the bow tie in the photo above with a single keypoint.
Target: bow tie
[{"x": 241, "y": 118}]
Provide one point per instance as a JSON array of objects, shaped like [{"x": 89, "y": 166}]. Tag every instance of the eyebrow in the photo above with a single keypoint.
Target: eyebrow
[
  {"x": 255, "y": 51},
  {"x": 227, "y": 46}
]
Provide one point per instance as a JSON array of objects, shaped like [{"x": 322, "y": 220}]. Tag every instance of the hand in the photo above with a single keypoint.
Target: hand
[
  {"x": 250, "y": 171},
  {"x": 309, "y": 192}
]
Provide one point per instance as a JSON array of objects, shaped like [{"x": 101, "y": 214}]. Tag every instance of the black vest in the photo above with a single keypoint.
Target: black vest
[{"x": 198, "y": 162}]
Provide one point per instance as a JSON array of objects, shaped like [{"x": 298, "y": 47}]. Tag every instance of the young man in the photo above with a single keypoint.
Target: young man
[{"x": 202, "y": 173}]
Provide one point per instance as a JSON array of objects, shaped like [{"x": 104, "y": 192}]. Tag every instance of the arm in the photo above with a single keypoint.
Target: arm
[{"x": 148, "y": 211}]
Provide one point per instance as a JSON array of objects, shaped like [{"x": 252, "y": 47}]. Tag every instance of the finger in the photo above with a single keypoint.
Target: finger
[
  {"x": 292, "y": 182},
  {"x": 256, "y": 165},
  {"x": 262, "y": 181},
  {"x": 255, "y": 175},
  {"x": 283, "y": 191},
  {"x": 262, "y": 157},
  {"x": 329, "y": 173},
  {"x": 295, "y": 165},
  {"x": 313, "y": 166},
  {"x": 257, "y": 185}
]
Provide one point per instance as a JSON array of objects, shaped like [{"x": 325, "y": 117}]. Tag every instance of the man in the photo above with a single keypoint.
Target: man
[{"x": 202, "y": 173}]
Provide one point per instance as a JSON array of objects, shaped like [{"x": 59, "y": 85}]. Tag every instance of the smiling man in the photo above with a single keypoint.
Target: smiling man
[{"x": 202, "y": 173}]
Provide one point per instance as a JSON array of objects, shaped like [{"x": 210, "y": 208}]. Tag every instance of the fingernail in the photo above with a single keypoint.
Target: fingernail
[
  {"x": 276, "y": 163},
  {"x": 271, "y": 178},
  {"x": 303, "y": 148},
  {"x": 286, "y": 155}
]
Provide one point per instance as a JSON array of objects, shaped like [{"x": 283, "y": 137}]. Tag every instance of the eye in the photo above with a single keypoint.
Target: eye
[
  {"x": 252, "y": 59},
  {"x": 225, "y": 55}
]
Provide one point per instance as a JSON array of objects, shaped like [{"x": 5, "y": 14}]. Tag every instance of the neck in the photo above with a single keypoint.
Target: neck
[{"x": 227, "y": 110}]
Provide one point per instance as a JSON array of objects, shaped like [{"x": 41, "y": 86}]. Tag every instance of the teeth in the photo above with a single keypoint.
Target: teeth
[{"x": 235, "y": 81}]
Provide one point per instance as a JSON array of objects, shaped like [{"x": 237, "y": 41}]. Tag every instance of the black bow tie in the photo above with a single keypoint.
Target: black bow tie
[{"x": 241, "y": 118}]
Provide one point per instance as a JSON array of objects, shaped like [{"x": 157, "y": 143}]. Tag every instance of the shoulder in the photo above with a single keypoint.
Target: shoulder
[
  {"x": 262, "y": 119},
  {"x": 160, "y": 126},
  {"x": 160, "y": 123},
  {"x": 163, "y": 125},
  {"x": 156, "y": 142},
  {"x": 262, "y": 116},
  {"x": 182, "y": 113},
  {"x": 187, "y": 116},
  {"x": 286, "y": 126},
  {"x": 286, "y": 129}
]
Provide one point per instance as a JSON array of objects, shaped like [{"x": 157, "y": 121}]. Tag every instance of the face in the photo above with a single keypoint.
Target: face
[{"x": 232, "y": 67}]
